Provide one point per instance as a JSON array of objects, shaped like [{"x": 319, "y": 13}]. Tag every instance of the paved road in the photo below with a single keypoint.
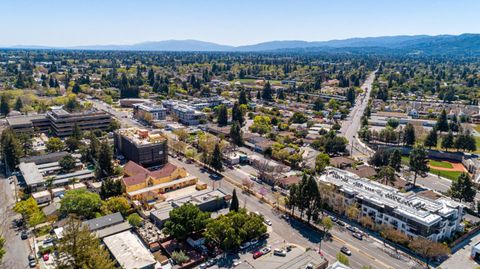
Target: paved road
[
  {"x": 351, "y": 125},
  {"x": 123, "y": 117},
  {"x": 366, "y": 252},
  {"x": 17, "y": 249}
]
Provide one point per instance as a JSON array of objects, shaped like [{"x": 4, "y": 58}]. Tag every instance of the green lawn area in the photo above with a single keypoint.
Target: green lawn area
[
  {"x": 440, "y": 164},
  {"x": 405, "y": 160},
  {"x": 452, "y": 175},
  {"x": 477, "y": 128},
  {"x": 252, "y": 81},
  {"x": 477, "y": 142}
]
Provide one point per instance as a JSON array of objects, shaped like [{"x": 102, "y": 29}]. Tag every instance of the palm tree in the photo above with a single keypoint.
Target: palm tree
[{"x": 72, "y": 181}]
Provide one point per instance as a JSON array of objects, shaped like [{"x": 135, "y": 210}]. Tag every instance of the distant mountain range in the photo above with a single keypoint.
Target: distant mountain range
[{"x": 440, "y": 44}]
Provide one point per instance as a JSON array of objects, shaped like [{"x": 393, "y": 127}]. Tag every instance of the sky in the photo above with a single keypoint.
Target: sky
[{"x": 229, "y": 22}]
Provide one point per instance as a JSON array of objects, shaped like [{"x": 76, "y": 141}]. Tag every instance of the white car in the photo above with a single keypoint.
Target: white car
[
  {"x": 268, "y": 222},
  {"x": 280, "y": 252}
]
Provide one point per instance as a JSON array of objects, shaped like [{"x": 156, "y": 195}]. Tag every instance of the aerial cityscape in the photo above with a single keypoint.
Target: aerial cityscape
[{"x": 239, "y": 134}]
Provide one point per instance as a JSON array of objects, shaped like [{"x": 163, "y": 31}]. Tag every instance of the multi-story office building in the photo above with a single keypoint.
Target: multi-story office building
[
  {"x": 153, "y": 111},
  {"x": 142, "y": 147},
  {"x": 412, "y": 214},
  {"x": 184, "y": 112},
  {"x": 60, "y": 121}
]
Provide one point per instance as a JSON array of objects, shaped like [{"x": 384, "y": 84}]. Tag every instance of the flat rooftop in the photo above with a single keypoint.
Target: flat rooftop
[
  {"x": 411, "y": 205},
  {"x": 137, "y": 136},
  {"x": 129, "y": 251}
]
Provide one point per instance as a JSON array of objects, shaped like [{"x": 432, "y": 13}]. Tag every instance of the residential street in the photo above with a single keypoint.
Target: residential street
[{"x": 17, "y": 250}]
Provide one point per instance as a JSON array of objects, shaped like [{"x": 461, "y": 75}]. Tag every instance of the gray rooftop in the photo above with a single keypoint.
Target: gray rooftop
[{"x": 103, "y": 222}]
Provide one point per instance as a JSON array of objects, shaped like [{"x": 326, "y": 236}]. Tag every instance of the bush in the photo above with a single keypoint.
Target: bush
[{"x": 180, "y": 257}]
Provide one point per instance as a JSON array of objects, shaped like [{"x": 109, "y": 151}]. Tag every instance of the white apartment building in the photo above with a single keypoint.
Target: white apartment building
[{"x": 410, "y": 213}]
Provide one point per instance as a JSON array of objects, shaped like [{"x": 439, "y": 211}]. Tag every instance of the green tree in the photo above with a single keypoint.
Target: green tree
[
  {"x": 298, "y": 117},
  {"x": 234, "y": 205},
  {"x": 135, "y": 220},
  {"x": 116, "y": 204},
  {"x": 463, "y": 188},
  {"x": 54, "y": 144},
  {"x": 431, "y": 139},
  {"x": 242, "y": 97},
  {"x": 11, "y": 149},
  {"x": 447, "y": 141},
  {"x": 326, "y": 223},
  {"x": 18, "y": 104},
  {"x": 67, "y": 163},
  {"x": 237, "y": 114},
  {"x": 180, "y": 257},
  {"x": 76, "y": 88},
  {"x": 81, "y": 202},
  {"x": 318, "y": 105},
  {"x": 418, "y": 162},
  {"x": 409, "y": 135},
  {"x": 216, "y": 160},
  {"x": 321, "y": 161},
  {"x": 77, "y": 132},
  {"x": 395, "y": 160},
  {"x": 261, "y": 125},
  {"x": 342, "y": 258},
  {"x": 2, "y": 248},
  {"x": 105, "y": 160},
  {"x": 351, "y": 95},
  {"x": 222, "y": 115},
  {"x": 111, "y": 188},
  {"x": 387, "y": 175},
  {"x": 236, "y": 134},
  {"x": 442, "y": 122},
  {"x": 80, "y": 249},
  {"x": 267, "y": 92},
  {"x": 185, "y": 220},
  {"x": 4, "y": 106}
]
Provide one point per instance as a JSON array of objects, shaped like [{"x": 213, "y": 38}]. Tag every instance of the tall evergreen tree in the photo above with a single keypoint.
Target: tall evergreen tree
[
  {"x": 237, "y": 113},
  {"x": 442, "y": 122},
  {"x": 105, "y": 158},
  {"x": 409, "y": 135},
  {"x": 11, "y": 149},
  {"x": 18, "y": 104},
  {"x": 395, "y": 160},
  {"x": 234, "y": 205},
  {"x": 236, "y": 134},
  {"x": 431, "y": 139},
  {"x": 463, "y": 188},
  {"x": 242, "y": 97},
  {"x": 267, "y": 92},
  {"x": 222, "y": 117},
  {"x": 4, "y": 106},
  {"x": 418, "y": 162},
  {"x": 76, "y": 88},
  {"x": 351, "y": 95},
  {"x": 447, "y": 141},
  {"x": 217, "y": 156},
  {"x": 318, "y": 104}
]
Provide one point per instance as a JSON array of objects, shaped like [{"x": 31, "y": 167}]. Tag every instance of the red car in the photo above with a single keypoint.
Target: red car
[
  {"x": 45, "y": 257},
  {"x": 257, "y": 254}
]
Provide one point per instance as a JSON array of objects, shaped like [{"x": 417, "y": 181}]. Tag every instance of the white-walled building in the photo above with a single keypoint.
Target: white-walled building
[{"x": 410, "y": 213}]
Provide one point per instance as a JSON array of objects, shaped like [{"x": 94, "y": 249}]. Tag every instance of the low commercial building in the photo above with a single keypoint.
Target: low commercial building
[
  {"x": 207, "y": 200},
  {"x": 129, "y": 252},
  {"x": 410, "y": 213},
  {"x": 184, "y": 112},
  {"x": 142, "y": 147},
  {"x": 309, "y": 259},
  {"x": 28, "y": 124},
  {"x": 42, "y": 197},
  {"x": 108, "y": 225},
  {"x": 149, "y": 111}
]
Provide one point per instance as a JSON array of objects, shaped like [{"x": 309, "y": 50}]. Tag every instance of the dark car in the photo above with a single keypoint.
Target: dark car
[
  {"x": 352, "y": 229},
  {"x": 32, "y": 264},
  {"x": 24, "y": 235},
  {"x": 264, "y": 236}
]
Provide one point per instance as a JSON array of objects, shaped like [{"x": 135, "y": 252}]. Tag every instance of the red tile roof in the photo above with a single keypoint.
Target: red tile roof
[
  {"x": 164, "y": 171},
  {"x": 132, "y": 168},
  {"x": 136, "y": 179}
]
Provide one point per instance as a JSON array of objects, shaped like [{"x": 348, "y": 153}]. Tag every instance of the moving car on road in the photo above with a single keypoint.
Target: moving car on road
[{"x": 346, "y": 251}]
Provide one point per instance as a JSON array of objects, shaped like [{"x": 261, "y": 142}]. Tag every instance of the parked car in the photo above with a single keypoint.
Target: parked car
[
  {"x": 31, "y": 257},
  {"x": 341, "y": 223},
  {"x": 265, "y": 250},
  {"x": 24, "y": 235},
  {"x": 264, "y": 236},
  {"x": 202, "y": 266},
  {"x": 359, "y": 236},
  {"x": 245, "y": 245},
  {"x": 32, "y": 264},
  {"x": 46, "y": 257},
  {"x": 351, "y": 228},
  {"x": 48, "y": 241},
  {"x": 253, "y": 242},
  {"x": 334, "y": 219},
  {"x": 211, "y": 262},
  {"x": 346, "y": 251},
  {"x": 257, "y": 254},
  {"x": 268, "y": 222},
  {"x": 285, "y": 216},
  {"x": 280, "y": 252}
]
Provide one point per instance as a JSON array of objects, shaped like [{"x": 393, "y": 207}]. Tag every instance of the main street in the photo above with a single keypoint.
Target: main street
[{"x": 351, "y": 125}]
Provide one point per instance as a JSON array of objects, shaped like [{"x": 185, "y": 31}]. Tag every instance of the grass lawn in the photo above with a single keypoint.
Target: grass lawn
[
  {"x": 477, "y": 128},
  {"x": 452, "y": 175},
  {"x": 477, "y": 142},
  {"x": 440, "y": 164},
  {"x": 405, "y": 160}
]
